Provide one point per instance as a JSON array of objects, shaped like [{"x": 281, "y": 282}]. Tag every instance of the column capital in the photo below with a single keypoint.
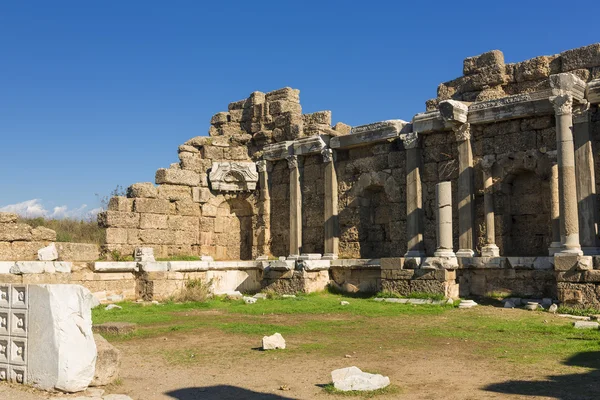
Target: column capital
[
  {"x": 462, "y": 132},
  {"x": 327, "y": 155},
  {"x": 261, "y": 165},
  {"x": 563, "y": 104},
  {"x": 411, "y": 140},
  {"x": 292, "y": 161}
]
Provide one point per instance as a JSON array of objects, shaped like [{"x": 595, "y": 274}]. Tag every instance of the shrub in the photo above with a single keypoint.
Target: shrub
[
  {"x": 71, "y": 230},
  {"x": 194, "y": 290}
]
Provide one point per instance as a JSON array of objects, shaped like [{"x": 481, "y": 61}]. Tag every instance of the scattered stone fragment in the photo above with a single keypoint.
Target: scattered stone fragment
[
  {"x": 260, "y": 296},
  {"x": 509, "y": 304},
  {"x": 348, "y": 356},
  {"x": 155, "y": 302},
  {"x": 577, "y": 317},
  {"x": 553, "y": 308},
  {"x": 107, "y": 363},
  {"x": 233, "y": 294},
  {"x": 467, "y": 304},
  {"x": 450, "y": 302},
  {"x": 113, "y": 307},
  {"x": 586, "y": 325},
  {"x": 115, "y": 328},
  {"x": 515, "y": 300},
  {"x": 273, "y": 342},
  {"x": 116, "y": 397},
  {"x": 531, "y": 306},
  {"x": 546, "y": 302},
  {"x": 115, "y": 297},
  {"x": 344, "y": 303},
  {"x": 249, "y": 300},
  {"x": 352, "y": 378},
  {"x": 288, "y": 296},
  {"x": 349, "y": 288},
  {"x": 284, "y": 387},
  {"x": 48, "y": 253}
]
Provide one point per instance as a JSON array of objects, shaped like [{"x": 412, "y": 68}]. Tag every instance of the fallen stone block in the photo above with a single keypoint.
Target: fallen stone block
[
  {"x": 273, "y": 342},
  {"x": 586, "y": 325},
  {"x": 467, "y": 304},
  {"x": 115, "y": 328},
  {"x": 352, "y": 378},
  {"x": 113, "y": 307},
  {"x": 107, "y": 364},
  {"x": 59, "y": 339},
  {"x": 249, "y": 300},
  {"x": 553, "y": 308}
]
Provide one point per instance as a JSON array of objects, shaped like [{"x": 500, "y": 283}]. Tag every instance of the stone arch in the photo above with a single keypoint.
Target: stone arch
[{"x": 233, "y": 229}]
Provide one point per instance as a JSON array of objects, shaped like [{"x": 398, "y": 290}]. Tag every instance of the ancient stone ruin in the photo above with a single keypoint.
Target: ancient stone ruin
[{"x": 491, "y": 189}]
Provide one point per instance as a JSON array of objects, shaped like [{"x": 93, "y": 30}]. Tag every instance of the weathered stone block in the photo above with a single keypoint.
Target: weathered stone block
[
  {"x": 582, "y": 57},
  {"x": 120, "y": 203},
  {"x": 107, "y": 363},
  {"x": 42, "y": 233},
  {"x": 474, "y": 64},
  {"x": 143, "y": 189},
  {"x": 117, "y": 219},
  {"x": 177, "y": 177},
  {"x": 174, "y": 192},
  {"x": 79, "y": 251},
  {"x": 201, "y": 194},
  {"x": 392, "y": 263},
  {"x": 188, "y": 208},
  {"x": 286, "y": 93},
  {"x": 153, "y": 221},
  {"x": 155, "y": 236},
  {"x": 11, "y": 232},
  {"x": 152, "y": 206},
  {"x": 8, "y": 218},
  {"x": 116, "y": 235}
]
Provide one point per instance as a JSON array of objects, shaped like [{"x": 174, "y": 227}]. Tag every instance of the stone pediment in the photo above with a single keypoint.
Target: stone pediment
[{"x": 233, "y": 176}]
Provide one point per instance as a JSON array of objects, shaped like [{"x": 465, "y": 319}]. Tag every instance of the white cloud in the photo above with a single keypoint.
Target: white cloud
[{"x": 35, "y": 208}]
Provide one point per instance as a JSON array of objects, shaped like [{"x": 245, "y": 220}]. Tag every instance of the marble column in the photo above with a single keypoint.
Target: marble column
[
  {"x": 555, "y": 246},
  {"x": 264, "y": 210},
  {"x": 465, "y": 190},
  {"x": 295, "y": 208},
  {"x": 332, "y": 240},
  {"x": 586, "y": 181},
  {"x": 443, "y": 201},
  {"x": 490, "y": 249},
  {"x": 567, "y": 187},
  {"x": 414, "y": 197}
]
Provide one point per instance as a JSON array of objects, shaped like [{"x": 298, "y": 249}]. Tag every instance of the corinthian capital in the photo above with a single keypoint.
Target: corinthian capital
[
  {"x": 292, "y": 161},
  {"x": 563, "y": 104},
  {"x": 411, "y": 140},
  {"x": 327, "y": 155},
  {"x": 462, "y": 132},
  {"x": 261, "y": 166}
]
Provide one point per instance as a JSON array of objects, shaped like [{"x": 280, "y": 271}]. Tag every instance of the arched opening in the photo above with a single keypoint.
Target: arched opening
[
  {"x": 233, "y": 229},
  {"x": 530, "y": 226},
  {"x": 374, "y": 234}
]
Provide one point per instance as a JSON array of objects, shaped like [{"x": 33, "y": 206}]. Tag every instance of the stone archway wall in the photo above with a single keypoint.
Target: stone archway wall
[{"x": 233, "y": 230}]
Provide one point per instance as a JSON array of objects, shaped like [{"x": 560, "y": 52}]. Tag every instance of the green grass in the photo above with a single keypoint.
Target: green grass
[
  {"x": 391, "y": 389},
  {"x": 584, "y": 312}
]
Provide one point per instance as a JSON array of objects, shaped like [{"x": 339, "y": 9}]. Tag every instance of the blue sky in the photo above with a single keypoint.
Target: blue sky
[{"x": 99, "y": 94}]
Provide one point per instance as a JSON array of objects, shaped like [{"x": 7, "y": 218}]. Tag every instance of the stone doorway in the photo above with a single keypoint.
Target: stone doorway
[{"x": 233, "y": 230}]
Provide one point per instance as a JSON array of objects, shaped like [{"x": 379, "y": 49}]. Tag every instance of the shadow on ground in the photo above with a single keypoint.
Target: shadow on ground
[
  {"x": 222, "y": 392},
  {"x": 563, "y": 387}
]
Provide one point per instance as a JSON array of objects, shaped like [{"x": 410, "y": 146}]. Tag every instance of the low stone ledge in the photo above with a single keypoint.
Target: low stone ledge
[
  {"x": 151, "y": 266},
  {"x": 188, "y": 266},
  {"x": 282, "y": 265},
  {"x": 115, "y": 266},
  {"x": 314, "y": 265},
  {"x": 356, "y": 263},
  {"x": 40, "y": 267}
]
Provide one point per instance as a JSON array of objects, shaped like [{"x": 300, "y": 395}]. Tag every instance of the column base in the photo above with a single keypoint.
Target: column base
[
  {"x": 293, "y": 256},
  {"x": 555, "y": 247},
  {"x": 490, "y": 250},
  {"x": 465, "y": 253},
  {"x": 329, "y": 256},
  {"x": 444, "y": 253},
  {"x": 569, "y": 252},
  {"x": 264, "y": 257},
  {"x": 591, "y": 251}
]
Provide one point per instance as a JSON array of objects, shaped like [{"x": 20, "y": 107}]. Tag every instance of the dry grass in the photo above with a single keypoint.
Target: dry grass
[
  {"x": 71, "y": 230},
  {"x": 195, "y": 291}
]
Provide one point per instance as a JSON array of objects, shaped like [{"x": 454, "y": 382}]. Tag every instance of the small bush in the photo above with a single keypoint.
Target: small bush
[{"x": 195, "y": 290}]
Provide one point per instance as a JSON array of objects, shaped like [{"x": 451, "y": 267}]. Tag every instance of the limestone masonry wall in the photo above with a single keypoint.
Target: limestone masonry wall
[{"x": 517, "y": 142}]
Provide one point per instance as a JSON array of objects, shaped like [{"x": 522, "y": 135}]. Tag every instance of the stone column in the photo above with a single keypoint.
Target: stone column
[
  {"x": 586, "y": 181},
  {"x": 567, "y": 187},
  {"x": 414, "y": 197},
  {"x": 555, "y": 246},
  {"x": 295, "y": 208},
  {"x": 490, "y": 249},
  {"x": 443, "y": 201},
  {"x": 264, "y": 237},
  {"x": 332, "y": 240},
  {"x": 465, "y": 190}
]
